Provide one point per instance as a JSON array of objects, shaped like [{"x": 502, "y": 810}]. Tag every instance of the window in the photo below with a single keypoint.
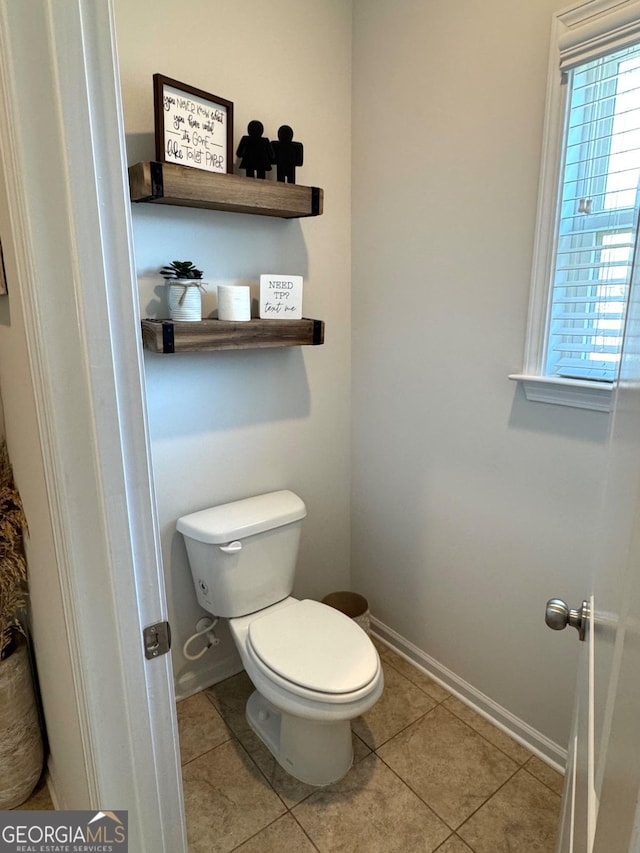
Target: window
[
  {"x": 590, "y": 179},
  {"x": 596, "y": 222}
]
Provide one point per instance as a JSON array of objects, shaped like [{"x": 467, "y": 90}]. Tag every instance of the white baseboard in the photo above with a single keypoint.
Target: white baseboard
[
  {"x": 50, "y": 782},
  {"x": 533, "y": 740},
  {"x": 192, "y": 682}
]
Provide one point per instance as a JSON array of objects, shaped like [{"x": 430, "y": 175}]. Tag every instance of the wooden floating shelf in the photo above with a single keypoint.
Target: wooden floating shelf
[
  {"x": 168, "y": 183},
  {"x": 167, "y": 336}
]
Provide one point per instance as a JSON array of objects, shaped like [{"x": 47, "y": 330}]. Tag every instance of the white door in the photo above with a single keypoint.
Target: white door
[
  {"x": 62, "y": 151},
  {"x": 600, "y": 809}
]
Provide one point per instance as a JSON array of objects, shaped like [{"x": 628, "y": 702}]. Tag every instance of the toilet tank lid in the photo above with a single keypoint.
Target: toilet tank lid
[{"x": 239, "y": 519}]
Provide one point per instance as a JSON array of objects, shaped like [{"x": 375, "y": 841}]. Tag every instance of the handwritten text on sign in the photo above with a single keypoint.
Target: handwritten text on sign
[
  {"x": 195, "y": 131},
  {"x": 281, "y": 297}
]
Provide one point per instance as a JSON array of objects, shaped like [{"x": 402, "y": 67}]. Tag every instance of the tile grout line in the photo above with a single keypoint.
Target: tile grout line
[
  {"x": 482, "y": 805},
  {"x": 255, "y": 834},
  {"x": 542, "y": 782},
  {"x": 518, "y": 767},
  {"x": 304, "y": 830},
  {"x": 453, "y": 832},
  {"x": 426, "y": 693},
  {"x": 443, "y": 703},
  {"x": 400, "y": 731},
  {"x": 413, "y": 791},
  {"x": 459, "y": 719},
  {"x": 455, "y": 836},
  {"x": 271, "y": 823},
  {"x": 233, "y": 737},
  {"x": 420, "y": 717},
  {"x": 490, "y": 742},
  {"x": 202, "y": 754}
]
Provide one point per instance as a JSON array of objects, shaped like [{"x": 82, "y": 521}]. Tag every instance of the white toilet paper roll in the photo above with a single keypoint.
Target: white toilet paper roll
[{"x": 234, "y": 302}]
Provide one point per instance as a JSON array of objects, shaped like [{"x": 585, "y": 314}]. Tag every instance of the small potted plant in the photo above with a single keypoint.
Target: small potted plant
[
  {"x": 21, "y": 751},
  {"x": 184, "y": 295}
]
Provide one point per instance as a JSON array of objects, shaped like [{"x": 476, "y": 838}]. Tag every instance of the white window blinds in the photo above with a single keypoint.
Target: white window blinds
[{"x": 597, "y": 217}]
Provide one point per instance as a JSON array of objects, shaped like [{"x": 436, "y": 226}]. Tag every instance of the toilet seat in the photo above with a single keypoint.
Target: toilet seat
[{"x": 314, "y": 651}]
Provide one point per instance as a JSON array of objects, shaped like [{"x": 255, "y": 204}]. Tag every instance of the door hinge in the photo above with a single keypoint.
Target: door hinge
[{"x": 157, "y": 640}]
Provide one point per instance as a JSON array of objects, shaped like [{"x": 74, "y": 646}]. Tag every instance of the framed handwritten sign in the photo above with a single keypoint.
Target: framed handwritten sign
[{"x": 193, "y": 128}]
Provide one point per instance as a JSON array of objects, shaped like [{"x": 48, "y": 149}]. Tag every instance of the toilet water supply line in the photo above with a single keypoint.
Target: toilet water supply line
[{"x": 203, "y": 627}]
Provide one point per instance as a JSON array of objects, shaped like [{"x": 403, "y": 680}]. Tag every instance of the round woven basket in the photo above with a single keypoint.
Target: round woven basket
[
  {"x": 352, "y": 604},
  {"x": 21, "y": 752}
]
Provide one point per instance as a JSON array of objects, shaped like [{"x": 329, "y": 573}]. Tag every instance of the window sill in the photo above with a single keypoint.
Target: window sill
[{"x": 578, "y": 393}]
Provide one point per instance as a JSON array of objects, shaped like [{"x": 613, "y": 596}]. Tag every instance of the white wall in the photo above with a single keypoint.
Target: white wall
[
  {"x": 228, "y": 425},
  {"x": 471, "y": 506}
]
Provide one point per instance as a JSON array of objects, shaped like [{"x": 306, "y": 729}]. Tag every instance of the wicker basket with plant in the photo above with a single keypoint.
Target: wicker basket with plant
[
  {"x": 21, "y": 748},
  {"x": 13, "y": 565}
]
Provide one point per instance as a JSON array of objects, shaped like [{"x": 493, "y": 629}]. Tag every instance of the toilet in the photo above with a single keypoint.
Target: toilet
[{"x": 313, "y": 668}]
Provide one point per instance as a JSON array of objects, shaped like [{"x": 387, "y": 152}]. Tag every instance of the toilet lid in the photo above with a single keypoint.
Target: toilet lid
[{"x": 315, "y": 646}]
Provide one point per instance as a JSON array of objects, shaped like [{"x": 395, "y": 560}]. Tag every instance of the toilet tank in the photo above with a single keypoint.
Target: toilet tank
[{"x": 243, "y": 554}]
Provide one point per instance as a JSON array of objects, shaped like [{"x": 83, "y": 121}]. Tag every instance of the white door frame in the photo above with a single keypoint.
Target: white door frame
[{"x": 62, "y": 146}]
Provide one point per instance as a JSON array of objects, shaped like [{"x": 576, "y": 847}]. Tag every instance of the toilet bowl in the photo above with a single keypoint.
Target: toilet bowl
[
  {"x": 314, "y": 671},
  {"x": 313, "y": 668}
]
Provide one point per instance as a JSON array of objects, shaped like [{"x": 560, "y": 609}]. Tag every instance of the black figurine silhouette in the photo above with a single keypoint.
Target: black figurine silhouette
[
  {"x": 288, "y": 155},
  {"x": 255, "y": 151}
]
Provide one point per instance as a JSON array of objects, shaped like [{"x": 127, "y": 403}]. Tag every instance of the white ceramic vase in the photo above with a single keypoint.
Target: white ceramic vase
[{"x": 184, "y": 298}]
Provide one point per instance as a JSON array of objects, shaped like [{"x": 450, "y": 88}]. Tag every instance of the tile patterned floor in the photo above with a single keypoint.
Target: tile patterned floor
[{"x": 429, "y": 775}]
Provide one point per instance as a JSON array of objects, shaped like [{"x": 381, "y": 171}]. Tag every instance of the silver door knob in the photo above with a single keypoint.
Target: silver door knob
[{"x": 558, "y": 615}]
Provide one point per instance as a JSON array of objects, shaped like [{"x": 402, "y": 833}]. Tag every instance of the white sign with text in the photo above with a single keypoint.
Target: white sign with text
[
  {"x": 280, "y": 297},
  {"x": 195, "y": 131}
]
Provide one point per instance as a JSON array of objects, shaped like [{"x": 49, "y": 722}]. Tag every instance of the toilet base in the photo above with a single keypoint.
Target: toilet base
[{"x": 312, "y": 751}]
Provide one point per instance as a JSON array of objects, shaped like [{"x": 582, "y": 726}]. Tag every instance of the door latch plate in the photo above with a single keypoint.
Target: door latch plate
[{"x": 157, "y": 640}]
